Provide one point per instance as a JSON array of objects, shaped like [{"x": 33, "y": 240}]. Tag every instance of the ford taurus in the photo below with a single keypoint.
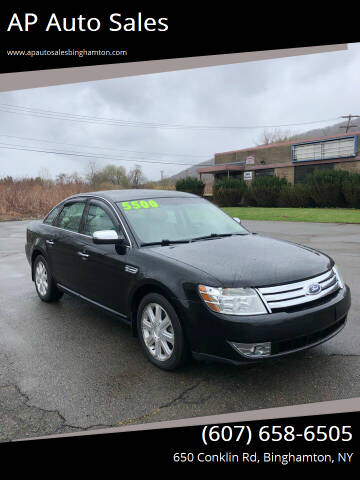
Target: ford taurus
[{"x": 189, "y": 279}]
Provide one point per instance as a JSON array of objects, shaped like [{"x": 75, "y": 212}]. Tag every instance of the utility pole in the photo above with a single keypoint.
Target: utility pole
[
  {"x": 162, "y": 175},
  {"x": 349, "y": 117}
]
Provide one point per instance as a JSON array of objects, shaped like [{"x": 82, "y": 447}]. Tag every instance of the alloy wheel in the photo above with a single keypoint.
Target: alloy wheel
[
  {"x": 158, "y": 331},
  {"x": 41, "y": 279}
]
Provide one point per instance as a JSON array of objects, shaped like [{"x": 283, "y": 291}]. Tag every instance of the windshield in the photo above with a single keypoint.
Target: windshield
[{"x": 178, "y": 219}]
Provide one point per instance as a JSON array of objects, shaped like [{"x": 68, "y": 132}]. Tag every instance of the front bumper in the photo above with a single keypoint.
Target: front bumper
[{"x": 212, "y": 334}]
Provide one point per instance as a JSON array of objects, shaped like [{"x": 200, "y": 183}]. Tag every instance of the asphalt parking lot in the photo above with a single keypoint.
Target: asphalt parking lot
[{"x": 66, "y": 367}]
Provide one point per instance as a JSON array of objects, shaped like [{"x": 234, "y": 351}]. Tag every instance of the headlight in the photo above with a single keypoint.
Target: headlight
[
  {"x": 232, "y": 301},
  {"x": 338, "y": 276}
]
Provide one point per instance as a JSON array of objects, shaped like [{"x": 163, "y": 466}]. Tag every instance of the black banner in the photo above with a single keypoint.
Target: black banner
[
  {"x": 34, "y": 38},
  {"x": 329, "y": 442}
]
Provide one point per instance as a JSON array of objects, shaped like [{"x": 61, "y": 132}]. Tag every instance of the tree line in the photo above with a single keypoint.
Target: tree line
[{"x": 110, "y": 176}]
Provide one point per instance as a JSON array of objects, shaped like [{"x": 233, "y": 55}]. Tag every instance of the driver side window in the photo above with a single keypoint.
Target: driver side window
[
  {"x": 97, "y": 219},
  {"x": 70, "y": 216}
]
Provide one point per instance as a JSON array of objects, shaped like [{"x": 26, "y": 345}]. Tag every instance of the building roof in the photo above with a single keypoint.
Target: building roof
[
  {"x": 221, "y": 168},
  {"x": 227, "y": 167},
  {"x": 292, "y": 142},
  {"x": 231, "y": 166}
]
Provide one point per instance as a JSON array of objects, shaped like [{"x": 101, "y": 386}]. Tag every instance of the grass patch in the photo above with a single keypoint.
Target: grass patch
[{"x": 321, "y": 215}]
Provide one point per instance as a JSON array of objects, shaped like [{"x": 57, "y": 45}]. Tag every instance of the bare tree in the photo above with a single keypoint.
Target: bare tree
[
  {"x": 136, "y": 177},
  {"x": 167, "y": 182},
  {"x": 93, "y": 175},
  {"x": 115, "y": 175},
  {"x": 62, "y": 178},
  {"x": 69, "y": 178},
  {"x": 75, "y": 177},
  {"x": 45, "y": 177},
  {"x": 274, "y": 136}
]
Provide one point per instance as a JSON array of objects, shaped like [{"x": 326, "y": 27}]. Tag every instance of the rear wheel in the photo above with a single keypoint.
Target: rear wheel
[
  {"x": 160, "y": 332},
  {"x": 44, "y": 283}
]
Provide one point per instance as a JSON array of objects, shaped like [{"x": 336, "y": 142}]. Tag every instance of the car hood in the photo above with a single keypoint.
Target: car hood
[{"x": 249, "y": 260}]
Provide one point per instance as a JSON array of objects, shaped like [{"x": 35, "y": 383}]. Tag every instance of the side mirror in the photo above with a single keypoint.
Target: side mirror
[
  {"x": 237, "y": 219},
  {"x": 103, "y": 237}
]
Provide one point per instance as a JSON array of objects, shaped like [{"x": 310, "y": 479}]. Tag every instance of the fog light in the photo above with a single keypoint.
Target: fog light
[{"x": 253, "y": 350}]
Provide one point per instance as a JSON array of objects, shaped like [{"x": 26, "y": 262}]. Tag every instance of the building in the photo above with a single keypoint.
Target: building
[{"x": 291, "y": 160}]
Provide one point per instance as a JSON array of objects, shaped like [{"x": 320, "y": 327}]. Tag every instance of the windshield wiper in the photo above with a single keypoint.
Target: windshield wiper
[
  {"x": 212, "y": 235},
  {"x": 164, "y": 242}
]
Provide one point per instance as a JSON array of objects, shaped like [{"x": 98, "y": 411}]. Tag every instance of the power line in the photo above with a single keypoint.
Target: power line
[
  {"x": 107, "y": 148},
  {"x": 42, "y": 113},
  {"x": 349, "y": 117},
  {"x": 89, "y": 155}
]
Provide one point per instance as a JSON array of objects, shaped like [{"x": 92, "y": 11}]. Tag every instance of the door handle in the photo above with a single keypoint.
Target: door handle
[
  {"x": 50, "y": 242},
  {"x": 83, "y": 255}
]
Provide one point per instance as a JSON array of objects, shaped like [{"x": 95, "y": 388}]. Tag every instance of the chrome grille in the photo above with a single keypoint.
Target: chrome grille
[{"x": 293, "y": 294}]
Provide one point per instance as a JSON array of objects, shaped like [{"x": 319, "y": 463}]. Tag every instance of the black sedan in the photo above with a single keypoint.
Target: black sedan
[{"x": 187, "y": 278}]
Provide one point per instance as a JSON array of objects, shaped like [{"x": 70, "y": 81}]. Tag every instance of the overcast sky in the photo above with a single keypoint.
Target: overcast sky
[{"x": 269, "y": 92}]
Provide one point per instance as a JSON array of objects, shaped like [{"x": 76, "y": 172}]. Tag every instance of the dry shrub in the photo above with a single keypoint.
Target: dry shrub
[{"x": 22, "y": 199}]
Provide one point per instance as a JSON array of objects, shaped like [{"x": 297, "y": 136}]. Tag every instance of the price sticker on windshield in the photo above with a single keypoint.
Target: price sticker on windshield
[{"x": 136, "y": 204}]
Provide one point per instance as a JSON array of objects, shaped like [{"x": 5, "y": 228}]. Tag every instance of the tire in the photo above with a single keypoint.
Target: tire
[
  {"x": 44, "y": 283},
  {"x": 161, "y": 335}
]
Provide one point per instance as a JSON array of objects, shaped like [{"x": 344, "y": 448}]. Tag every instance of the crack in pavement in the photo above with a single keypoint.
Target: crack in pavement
[
  {"x": 20, "y": 419},
  {"x": 18, "y": 422},
  {"x": 44, "y": 425},
  {"x": 180, "y": 397}
]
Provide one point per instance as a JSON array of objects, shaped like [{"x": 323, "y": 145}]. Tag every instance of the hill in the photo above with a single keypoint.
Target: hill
[
  {"x": 191, "y": 172},
  {"x": 329, "y": 130}
]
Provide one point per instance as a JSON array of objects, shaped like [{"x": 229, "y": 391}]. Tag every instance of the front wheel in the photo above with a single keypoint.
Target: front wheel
[
  {"x": 44, "y": 283},
  {"x": 160, "y": 332}
]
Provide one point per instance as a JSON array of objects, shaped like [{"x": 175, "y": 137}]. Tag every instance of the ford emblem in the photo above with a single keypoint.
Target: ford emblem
[{"x": 313, "y": 289}]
